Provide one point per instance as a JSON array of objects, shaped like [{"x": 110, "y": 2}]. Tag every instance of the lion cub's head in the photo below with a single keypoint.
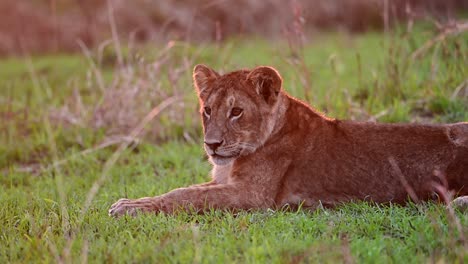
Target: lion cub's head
[{"x": 238, "y": 110}]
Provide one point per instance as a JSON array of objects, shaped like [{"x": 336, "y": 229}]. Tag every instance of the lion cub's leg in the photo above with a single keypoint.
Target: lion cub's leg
[
  {"x": 205, "y": 184},
  {"x": 195, "y": 198}
]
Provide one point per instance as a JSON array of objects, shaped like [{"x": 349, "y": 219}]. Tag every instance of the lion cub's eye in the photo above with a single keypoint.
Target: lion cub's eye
[
  {"x": 236, "y": 112},
  {"x": 207, "y": 111}
]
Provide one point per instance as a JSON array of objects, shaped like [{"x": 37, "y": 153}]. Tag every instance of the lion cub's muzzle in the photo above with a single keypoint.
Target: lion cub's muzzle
[
  {"x": 212, "y": 146},
  {"x": 221, "y": 150}
]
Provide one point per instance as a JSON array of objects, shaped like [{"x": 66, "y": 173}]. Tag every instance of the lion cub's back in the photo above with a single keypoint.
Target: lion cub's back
[
  {"x": 405, "y": 138},
  {"x": 363, "y": 152}
]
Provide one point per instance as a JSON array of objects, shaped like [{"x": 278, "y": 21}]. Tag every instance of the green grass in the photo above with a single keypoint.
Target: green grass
[{"x": 355, "y": 77}]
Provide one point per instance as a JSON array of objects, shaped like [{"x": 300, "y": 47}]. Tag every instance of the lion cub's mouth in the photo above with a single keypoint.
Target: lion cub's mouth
[
  {"x": 222, "y": 160},
  {"x": 214, "y": 155}
]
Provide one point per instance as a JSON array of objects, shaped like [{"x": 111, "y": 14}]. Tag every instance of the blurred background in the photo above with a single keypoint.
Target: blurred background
[{"x": 36, "y": 26}]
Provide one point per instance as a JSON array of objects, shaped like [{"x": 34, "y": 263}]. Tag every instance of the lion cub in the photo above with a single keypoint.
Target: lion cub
[{"x": 269, "y": 150}]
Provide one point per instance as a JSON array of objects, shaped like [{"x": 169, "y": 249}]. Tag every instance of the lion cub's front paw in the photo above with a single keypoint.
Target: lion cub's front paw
[{"x": 123, "y": 206}]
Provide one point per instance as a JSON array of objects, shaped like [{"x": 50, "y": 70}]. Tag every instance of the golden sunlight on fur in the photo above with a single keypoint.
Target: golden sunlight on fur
[{"x": 270, "y": 150}]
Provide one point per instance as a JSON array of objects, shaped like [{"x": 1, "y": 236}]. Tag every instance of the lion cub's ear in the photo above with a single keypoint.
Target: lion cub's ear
[
  {"x": 267, "y": 82},
  {"x": 203, "y": 77}
]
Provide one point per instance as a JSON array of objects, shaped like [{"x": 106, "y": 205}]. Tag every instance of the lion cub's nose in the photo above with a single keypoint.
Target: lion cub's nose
[{"x": 213, "y": 145}]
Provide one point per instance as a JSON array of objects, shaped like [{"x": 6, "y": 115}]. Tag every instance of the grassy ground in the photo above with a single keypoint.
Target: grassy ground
[{"x": 62, "y": 118}]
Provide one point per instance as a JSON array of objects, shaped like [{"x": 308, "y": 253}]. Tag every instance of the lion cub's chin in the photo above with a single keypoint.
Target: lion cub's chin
[{"x": 221, "y": 161}]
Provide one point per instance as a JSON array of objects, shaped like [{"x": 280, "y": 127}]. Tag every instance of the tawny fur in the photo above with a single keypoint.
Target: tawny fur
[{"x": 279, "y": 151}]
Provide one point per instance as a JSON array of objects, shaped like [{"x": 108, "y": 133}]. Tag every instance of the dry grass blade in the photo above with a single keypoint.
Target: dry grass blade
[
  {"x": 115, "y": 36},
  {"x": 441, "y": 188},
  {"x": 403, "y": 180},
  {"x": 85, "y": 252},
  {"x": 447, "y": 197},
  {"x": 119, "y": 104},
  {"x": 59, "y": 179},
  {"x": 346, "y": 250},
  {"x": 94, "y": 68},
  {"x": 460, "y": 91},
  {"x": 53, "y": 250},
  {"x": 115, "y": 156},
  {"x": 108, "y": 165},
  {"x": 449, "y": 30},
  {"x": 105, "y": 144}
]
